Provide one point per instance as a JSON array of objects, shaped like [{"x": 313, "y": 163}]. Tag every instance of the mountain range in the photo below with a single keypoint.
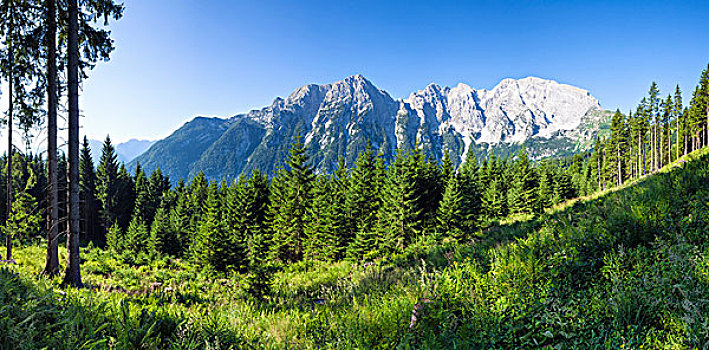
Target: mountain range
[{"x": 342, "y": 118}]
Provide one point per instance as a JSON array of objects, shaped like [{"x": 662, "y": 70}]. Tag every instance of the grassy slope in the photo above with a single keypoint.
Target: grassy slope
[{"x": 628, "y": 267}]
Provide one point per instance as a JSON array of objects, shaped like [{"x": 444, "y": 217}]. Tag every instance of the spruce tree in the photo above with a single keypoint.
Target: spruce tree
[
  {"x": 400, "y": 216},
  {"x": 91, "y": 226},
  {"x": 521, "y": 195},
  {"x": 163, "y": 236},
  {"x": 451, "y": 214},
  {"x": 213, "y": 243},
  {"x": 25, "y": 216},
  {"x": 363, "y": 202},
  {"x": 107, "y": 184},
  {"x": 471, "y": 188},
  {"x": 545, "y": 190},
  {"x": 677, "y": 114},
  {"x": 294, "y": 190}
]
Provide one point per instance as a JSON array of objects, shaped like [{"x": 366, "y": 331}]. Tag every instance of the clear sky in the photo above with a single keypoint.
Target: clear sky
[{"x": 176, "y": 59}]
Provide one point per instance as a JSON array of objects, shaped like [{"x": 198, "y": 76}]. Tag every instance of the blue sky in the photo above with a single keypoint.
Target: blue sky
[{"x": 176, "y": 59}]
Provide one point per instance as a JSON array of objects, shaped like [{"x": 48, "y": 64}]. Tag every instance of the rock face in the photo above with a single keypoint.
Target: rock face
[{"x": 340, "y": 119}]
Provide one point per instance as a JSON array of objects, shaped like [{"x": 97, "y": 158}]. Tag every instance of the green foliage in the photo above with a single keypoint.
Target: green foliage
[
  {"x": 291, "y": 201},
  {"x": 24, "y": 220},
  {"x": 628, "y": 268}
]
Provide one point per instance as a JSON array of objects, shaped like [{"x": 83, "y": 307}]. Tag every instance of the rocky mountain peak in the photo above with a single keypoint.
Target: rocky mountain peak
[{"x": 341, "y": 118}]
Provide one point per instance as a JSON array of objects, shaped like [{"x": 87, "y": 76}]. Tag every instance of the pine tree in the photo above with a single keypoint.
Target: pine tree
[
  {"x": 521, "y": 195},
  {"x": 653, "y": 105},
  {"x": 677, "y": 114},
  {"x": 451, "y": 214},
  {"x": 400, "y": 216},
  {"x": 471, "y": 188},
  {"x": 563, "y": 189},
  {"x": 213, "y": 243},
  {"x": 616, "y": 147},
  {"x": 136, "y": 238},
  {"x": 115, "y": 239},
  {"x": 235, "y": 216},
  {"x": 545, "y": 190},
  {"x": 294, "y": 197},
  {"x": 257, "y": 201},
  {"x": 141, "y": 204},
  {"x": 320, "y": 230},
  {"x": 25, "y": 217},
  {"x": 107, "y": 184},
  {"x": 125, "y": 197},
  {"x": 494, "y": 197},
  {"x": 163, "y": 236},
  {"x": 363, "y": 202},
  {"x": 91, "y": 228}
]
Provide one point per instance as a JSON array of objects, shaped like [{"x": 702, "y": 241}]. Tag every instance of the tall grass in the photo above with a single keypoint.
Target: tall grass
[{"x": 626, "y": 268}]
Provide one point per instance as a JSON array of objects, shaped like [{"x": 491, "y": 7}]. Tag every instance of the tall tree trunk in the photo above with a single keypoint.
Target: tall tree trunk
[
  {"x": 620, "y": 179},
  {"x": 677, "y": 139},
  {"x": 73, "y": 274},
  {"x": 641, "y": 159},
  {"x": 668, "y": 130},
  {"x": 51, "y": 267},
  {"x": 10, "y": 80},
  {"x": 599, "y": 171},
  {"x": 660, "y": 146},
  {"x": 706, "y": 127}
]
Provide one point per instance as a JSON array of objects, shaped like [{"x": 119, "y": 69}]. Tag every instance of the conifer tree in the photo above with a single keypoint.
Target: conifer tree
[
  {"x": 653, "y": 109},
  {"x": 363, "y": 202},
  {"x": 563, "y": 189},
  {"x": 91, "y": 228},
  {"x": 320, "y": 226},
  {"x": 471, "y": 188},
  {"x": 494, "y": 197},
  {"x": 451, "y": 214},
  {"x": 545, "y": 190},
  {"x": 521, "y": 195},
  {"x": 136, "y": 237},
  {"x": 294, "y": 190},
  {"x": 163, "y": 238},
  {"x": 214, "y": 244},
  {"x": 25, "y": 216},
  {"x": 125, "y": 198},
  {"x": 677, "y": 114},
  {"x": 257, "y": 201},
  {"x": 400, "y": 216},
  {"x": 107, "y": 184}
]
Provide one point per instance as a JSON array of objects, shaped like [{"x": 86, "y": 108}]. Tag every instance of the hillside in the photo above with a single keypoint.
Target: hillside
[
  {"x": 625, "y": 268},
  {"x": 340, "y": 119}
]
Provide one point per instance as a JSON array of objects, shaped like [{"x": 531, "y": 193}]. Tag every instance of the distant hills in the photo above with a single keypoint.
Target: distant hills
[
  {"x": 340, "y": 119},
  {"x": 125, "y": 151}
]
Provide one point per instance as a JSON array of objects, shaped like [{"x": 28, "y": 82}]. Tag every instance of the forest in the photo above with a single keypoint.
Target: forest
[{"x": 605, "y": 249}]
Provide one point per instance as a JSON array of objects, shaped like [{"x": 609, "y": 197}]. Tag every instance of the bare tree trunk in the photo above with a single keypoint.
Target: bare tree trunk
[
  {"x": 599, "y": 171},
  {"x": 660, "y": 146},
  {"x": 677, "y": 139},
  {"x": 641, "y": 154},
  {"x": 706, "y": 127},
  {"x": 73, "y": 273},
  {"x": 668, "y": 130},
  {"x": 652, "y": 148},
  {"x": 10, "y": 80},
  {"x": 620, "y": 178},
  {"x": 51, "y": 267}
]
